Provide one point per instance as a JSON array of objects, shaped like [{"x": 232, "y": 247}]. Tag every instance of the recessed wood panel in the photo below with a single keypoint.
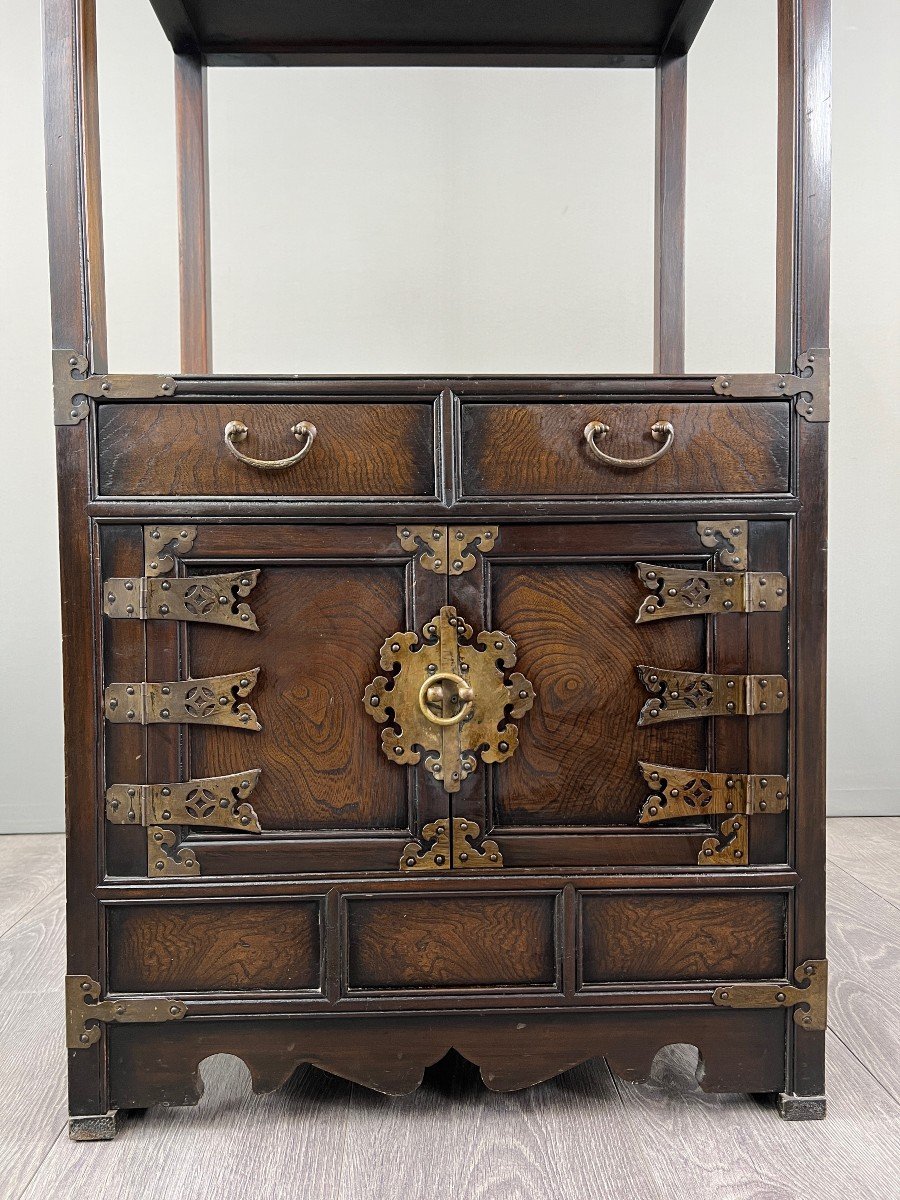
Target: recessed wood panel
[
  {"x": 320, "y": 631},
  {"x": 573, "y": 625},
  {"x": 372, "y": 449},
  {"x": 540, "y": 449},
  {"x": 214, "y": 947},
  {"x": 681, "y": 937},
  {"x": 451, "y": 942}
]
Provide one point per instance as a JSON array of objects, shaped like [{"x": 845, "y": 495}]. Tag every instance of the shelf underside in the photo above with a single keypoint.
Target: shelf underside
[{"x": 626, "y": 33}]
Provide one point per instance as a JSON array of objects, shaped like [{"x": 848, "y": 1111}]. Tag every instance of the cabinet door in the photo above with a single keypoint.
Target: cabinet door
[
  {"x": 568, "y": 596},
  {"x": 326, "y": 798}
]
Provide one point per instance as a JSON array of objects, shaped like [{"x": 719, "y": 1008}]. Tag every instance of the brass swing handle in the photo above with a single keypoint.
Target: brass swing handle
[
  {"x": 662, "y": 431},
  {"x": 431, "y": 692},
  {"x": 236, "y": 431}
]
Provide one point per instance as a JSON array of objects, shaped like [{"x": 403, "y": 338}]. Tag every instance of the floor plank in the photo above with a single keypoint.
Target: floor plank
[
  {"x": 868, "y": 848},
  {"x": 31, "y": 865},
  {"x": 232, "y": 1146},
  {"x": 735, "y": 1148},
  {"x": 33, "y": 951},
  {"x": 864, "y": 975}
]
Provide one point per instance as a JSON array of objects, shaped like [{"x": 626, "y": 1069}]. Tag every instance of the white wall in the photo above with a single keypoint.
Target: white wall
[{"x": 458, "y": 220}]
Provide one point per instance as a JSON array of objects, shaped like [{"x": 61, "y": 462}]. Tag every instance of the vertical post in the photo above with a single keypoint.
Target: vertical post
[
  {"x": 671, "y": 173},
  {"x": 78, "y": 324},
  {"x": 802, "y": 314},
  {"x": 193, "y": 213}
]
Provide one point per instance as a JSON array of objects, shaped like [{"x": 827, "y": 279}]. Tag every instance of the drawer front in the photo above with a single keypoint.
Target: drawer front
[
  {"x": 520, "y": 449},
  {"x": 361, "y": 449}
]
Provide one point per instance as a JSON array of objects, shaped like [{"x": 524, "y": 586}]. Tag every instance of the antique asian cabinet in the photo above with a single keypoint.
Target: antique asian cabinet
[{"x": 412, "y": 714}]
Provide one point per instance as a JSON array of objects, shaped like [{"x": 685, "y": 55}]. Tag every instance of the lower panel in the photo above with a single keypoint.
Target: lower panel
[{"x": 153, "y": 1064}]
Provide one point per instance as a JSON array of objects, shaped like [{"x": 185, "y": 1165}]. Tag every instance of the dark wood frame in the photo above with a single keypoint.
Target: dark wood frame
[{"x": 79, "y": 325}]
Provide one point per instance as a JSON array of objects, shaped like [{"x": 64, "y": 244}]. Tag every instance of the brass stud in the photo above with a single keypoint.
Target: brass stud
[
  {"x": 780, "y": 997},
  {"x": 164, "y": 608},
  {"x": 463, "y": 857},
  {"x": 165, "y": 585},
  {"x": 164, "y": 714},
  {"x": 651, "y": 608},
  {"x": 727, "y": 604},
  {"x": 410, "y": 862},
  {"x": 439, "y": 859},
  {"x": 167, "y": 816},
  {"x": 674, "y": 695}
]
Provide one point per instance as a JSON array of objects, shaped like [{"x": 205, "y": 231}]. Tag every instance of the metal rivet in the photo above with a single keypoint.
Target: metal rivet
[
  {"x": 130, "y": 714},
  {"x": 674, "y": 695},
  {"x": 245, "y": 582},
  {"x": 729, "y": 805},
  {"x": 437, "y": 562},
  {"x": 493, "y": 858},
  {"x": 404, "y": 533},
  {"x": 674, "y": 791},
  {"x": 174, "y": 1009},
  {"x": 223, "y": 700},
  {"x": 735, "y": 825},
  {"x": 763, "y": 706},
  {"x": 736, "y": 559},
  {"x": 245, "y": 617},
  {"x": 131, "y": 792},
  {"x": 523, "y": 695},
  {"x": 160, "y": 865},
  {"x": 729, "y": 579},
  {"x": 129, "y": 608},
  {"x": 728, "y": 604},
  {"x": 763, "y": 806},
  {"x": 167, "y": 791},
  {"x": 780, "y": 997},
  {"x": 111, "y": 598},
  {"x": 762, "y": 604},
  {"x": 438, "y": 858},
  {"x": 167, "y": 816},
  {"x": 730, "y": 706},
  {"x": 398, "y": 749},
  {"x": 654, "y": 712},
  {"x": 165, "y": 714},
  {"x": 436, "y": 534},
  {"x": 651, "y": 608},
  {"x": 707, "y": 533},
  {"x": 223, "y": 599},
  {"x": 779, "y": 795},
  {"x": 165, "y": 585},
  {"x": 736, "y": 532},
  {"x": 457, "y": 564},
  {"x": 244, "y": 718},
  {"x": 129, "y": 691},
  {"x": 460, "y": 536},
  {"x": 129, "y": 586},
  {"x": 780, "y": 695},
  {"x": 653, "y": 810},
  {"x": 223, "y": 803},
  {"x": 764, "y": 783},
  {"x": 708, "y": 854},
  {"x": 410, "y": 862},
  {"x": 729, "y": 783},
  {"x": 245, "y": 820},
  {"x": 164, "y": 608},
  {"x": 651, "y": 574},
  {"x": 653, "y": 678},
  {"x": 723, "y": 994},
  {"x": 464, "y": 825},
  {"x": 395, "y": 647},
  {"x": 188, "y": 862},
  {"x": 113, "y": 703},
  {"x": 779, "y": 591},
  {"x": 654, "y": 775},
  {"x": 738, "y": 854},
  {"x": 464, "y": 857},
  {"x": 498, "y": 645},
  {"x": 730, "y": 683},
  {"x": 166, "y": 691},
  {"x": 504, "y": 746},
  {"x": 456, "y": 774},
  {"x": 375, "y": 701},
  {"x": 245, "y": 683}
]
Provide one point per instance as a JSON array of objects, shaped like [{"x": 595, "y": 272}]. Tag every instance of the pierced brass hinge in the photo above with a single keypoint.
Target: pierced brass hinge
[
  {"x": 810, "y": 1002},
  {"x": 83, "y": 1005},
  {"x": 447, "y": 550},
  {"x": 73, "y": 386},
  {"x": 681, "y": 593},
  {"x": 210, "y": 701},
  {"x": 811, "y": 385},
  {"x": 682, "y": 695},
  {"x": 219, "y": 803},
  {"x": 452, "y": 845},
  {"x": 214, "y": 599},
  {"x": 684, "y": 792}
]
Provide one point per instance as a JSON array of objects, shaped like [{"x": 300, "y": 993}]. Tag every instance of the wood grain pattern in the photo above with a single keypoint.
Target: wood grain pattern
[
  {"x": 540, "y": 450},
  {"x": 201, "y": 947},
  {"x": 868, "y": 848},
  {"x": 683, "y": 937},
  {"x": 33, "y": 951},
  {"x": 321, "y": 628},
  {"x": 577, "y": 642},
  {"x": 31, "y": 867},
  {"x": 451, "y": 942},
  {"x": 369, "y": 449},
  {"x": 194, "y": 270}
]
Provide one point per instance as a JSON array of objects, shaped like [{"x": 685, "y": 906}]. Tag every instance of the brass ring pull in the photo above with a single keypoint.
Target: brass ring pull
[
  {"x": 236, "y": 431},
  {"x": 465, "y": 694},
  {"x": 662, "y": 431}
]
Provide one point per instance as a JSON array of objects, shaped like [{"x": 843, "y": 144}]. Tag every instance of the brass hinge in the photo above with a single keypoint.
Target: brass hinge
[
  {"x": 451, "y": 845},
  {"x": 447, "y": 550},
  {"x": 681, "y": 593},
  {"x": 83, "y": 1005},
  {"x": 73, "y": 386},
  {"x": 682, "y": 695},
  {"x": 810, "y": 1002},
  {"x": 219, "y": 803},
  {"x": 213, "y": 599},
  {"x": 210, "y": 701},
  {"x": 811, "y": 385},
  {"x": 683, "y": 792}
]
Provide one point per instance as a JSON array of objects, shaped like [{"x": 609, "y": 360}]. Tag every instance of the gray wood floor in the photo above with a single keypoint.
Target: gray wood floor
[{"x": 582, "y": 1136}]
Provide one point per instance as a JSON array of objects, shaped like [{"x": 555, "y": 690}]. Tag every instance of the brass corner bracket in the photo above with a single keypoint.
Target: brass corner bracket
[
  {"x": 448, "y": 550},
  {"x": 811, "y": 385},
  {"x": 452, "y": 845},
  {"x": 162, "y": 543},
  {"x": 165, "y": 858},
  {"x": 728, "y": 539},
  {"x": 83, "y": 1005},
  {"x": 810, "y": 1002},
  {"x": 73, "y": 386}
]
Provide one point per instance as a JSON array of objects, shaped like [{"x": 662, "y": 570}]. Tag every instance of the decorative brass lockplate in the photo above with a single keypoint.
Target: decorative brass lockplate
[
  {"x": 211, "y": 701},
  {"x": 810, "y": 1002},
  {"x": 448, "y": 699},
  {"x": 83, "y": 1005},
  {"x": 214, "y": 599},
  {"x": 681, "y": 695},
  {"x": 682, "y": 593},
  {"x": 684, "y": 792},
  {"x": 219, "y": 803}
]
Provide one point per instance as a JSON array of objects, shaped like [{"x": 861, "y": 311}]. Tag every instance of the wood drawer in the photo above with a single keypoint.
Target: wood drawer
[
  {"x": 362, "y": 449},
  {"x": 516, "y": 448}
]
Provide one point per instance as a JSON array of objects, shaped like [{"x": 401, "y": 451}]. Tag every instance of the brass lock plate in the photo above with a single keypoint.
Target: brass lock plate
[{"x": 448, "y": 698}]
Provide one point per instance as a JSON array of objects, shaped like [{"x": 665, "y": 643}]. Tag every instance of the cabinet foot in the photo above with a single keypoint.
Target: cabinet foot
[
  {"x": 800, "y": 1108},
  {"x": 99, "y": 1127}
]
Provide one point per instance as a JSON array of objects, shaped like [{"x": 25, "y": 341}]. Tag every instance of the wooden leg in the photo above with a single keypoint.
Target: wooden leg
[
  {"x": 800, "y": 1108},
  {"x": 102, "y": 1127}
]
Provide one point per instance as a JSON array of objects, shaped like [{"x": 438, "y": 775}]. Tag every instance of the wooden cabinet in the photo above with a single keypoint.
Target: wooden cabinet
[{"x": 406, "y": 715}]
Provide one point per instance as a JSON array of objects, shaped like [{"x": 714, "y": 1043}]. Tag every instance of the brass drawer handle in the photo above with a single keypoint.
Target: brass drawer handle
[
  {"x": 236, "y": 431},
  {"x": 431, "y": 693},
  {"x": 662, "y": 431}
]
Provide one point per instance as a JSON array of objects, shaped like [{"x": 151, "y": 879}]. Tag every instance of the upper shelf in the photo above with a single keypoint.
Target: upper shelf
[{"x": 587, "y": 33}]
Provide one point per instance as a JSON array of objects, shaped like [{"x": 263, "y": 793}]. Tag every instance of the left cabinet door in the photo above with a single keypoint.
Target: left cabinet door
[{"x": 247, "y": 749}]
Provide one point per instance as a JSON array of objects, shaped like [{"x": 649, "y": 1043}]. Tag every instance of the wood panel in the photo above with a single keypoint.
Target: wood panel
[
  {"x": 201, "y": 947},
  {"x": 573, "y": 625},
  {"x": 450, "y": 941},
  {"x": 684, "y": 937},
  {"x": 366, "y": 449},
  {"x": 540, "y": 450},
  {"x": 320, "y": 631}
]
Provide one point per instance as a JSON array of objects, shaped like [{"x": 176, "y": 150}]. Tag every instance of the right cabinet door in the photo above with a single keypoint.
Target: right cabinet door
[{"x": 658, "y": 655}]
